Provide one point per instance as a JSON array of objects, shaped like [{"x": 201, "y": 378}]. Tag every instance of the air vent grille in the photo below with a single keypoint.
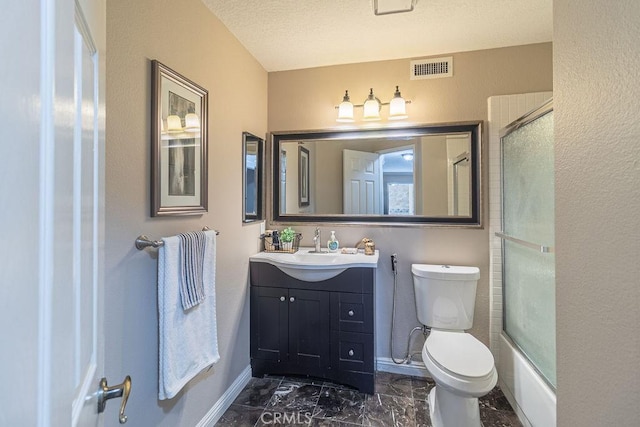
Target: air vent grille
[{"x": 431, "y": 68}]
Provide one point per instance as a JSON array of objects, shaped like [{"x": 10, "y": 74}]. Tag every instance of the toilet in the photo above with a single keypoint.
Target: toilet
[{"x": 461, "y": 366}]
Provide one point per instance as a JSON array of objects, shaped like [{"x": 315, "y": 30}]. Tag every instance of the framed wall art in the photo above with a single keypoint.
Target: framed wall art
[{"x": 179, "y": 144}]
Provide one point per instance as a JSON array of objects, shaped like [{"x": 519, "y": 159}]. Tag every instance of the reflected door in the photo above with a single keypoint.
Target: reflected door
[{"x": 361, "y": 182}]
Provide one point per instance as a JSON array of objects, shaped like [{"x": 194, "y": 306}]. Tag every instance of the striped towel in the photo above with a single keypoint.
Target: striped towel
[{"x": 192, "y": 246}]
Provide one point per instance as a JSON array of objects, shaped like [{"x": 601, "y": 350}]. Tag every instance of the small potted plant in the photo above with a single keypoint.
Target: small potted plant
[{"x": 287, "y": 236}]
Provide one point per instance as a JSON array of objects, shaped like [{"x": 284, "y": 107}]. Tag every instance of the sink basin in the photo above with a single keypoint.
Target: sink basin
[{"x": 311, "y": 266}]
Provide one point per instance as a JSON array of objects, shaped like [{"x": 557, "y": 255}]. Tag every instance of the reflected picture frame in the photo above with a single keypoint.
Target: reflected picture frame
[
  {"x": 179, "y": 140},
  {"x": 303, "y": 177}
]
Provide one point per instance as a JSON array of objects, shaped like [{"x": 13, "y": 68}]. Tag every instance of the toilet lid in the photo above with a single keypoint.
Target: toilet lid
[{"x": 460, "y": 353}]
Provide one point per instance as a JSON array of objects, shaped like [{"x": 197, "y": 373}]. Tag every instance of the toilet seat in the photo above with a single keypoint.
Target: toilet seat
[
  {"x": 473, "y": 381},
  {"x": 459, "y": 354}
]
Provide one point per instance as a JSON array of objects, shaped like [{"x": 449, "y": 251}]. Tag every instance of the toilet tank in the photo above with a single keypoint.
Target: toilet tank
[{"x": 445, "y": 295}]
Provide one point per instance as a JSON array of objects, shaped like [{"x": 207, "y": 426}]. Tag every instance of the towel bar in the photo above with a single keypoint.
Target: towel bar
[
  {"x": 143, "y": 241},
  {"x": 534, "y": 246}
]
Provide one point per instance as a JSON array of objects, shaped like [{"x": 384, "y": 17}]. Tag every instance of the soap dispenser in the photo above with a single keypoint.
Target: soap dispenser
[{"x": 333, "y": 243}]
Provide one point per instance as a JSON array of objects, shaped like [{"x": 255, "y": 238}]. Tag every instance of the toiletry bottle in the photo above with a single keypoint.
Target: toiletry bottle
[
  {"x": 275, "y": 240},
  {"x": 333, "y": 243}
]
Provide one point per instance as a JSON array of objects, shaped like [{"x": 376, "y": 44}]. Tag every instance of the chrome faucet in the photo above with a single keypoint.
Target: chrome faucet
[{"x": 317, "y": 240}]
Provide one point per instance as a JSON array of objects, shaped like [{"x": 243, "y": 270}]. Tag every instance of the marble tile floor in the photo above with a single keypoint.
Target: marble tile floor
[{"x": 399, "y": 401}]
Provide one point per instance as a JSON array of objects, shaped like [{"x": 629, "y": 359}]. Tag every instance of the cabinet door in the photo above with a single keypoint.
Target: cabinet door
[
  {"x": 269, "y": 323},
  {"x": 309, "y": 329}
]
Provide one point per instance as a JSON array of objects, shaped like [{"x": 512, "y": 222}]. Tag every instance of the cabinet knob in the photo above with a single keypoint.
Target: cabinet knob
[
  {"x": 282, "y": 298},
  {"x": 292, "y": 299},
  {"x": 351, "y": 353},
  {"x": 350, "y": 313}
]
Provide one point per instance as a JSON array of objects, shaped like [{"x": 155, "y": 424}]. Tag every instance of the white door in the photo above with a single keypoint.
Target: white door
[
  {"x": 361, "y": 182},
  {"x": 52, "y": 117}
]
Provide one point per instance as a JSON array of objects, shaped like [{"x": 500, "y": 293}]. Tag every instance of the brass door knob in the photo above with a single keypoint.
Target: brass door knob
[{"x": 121, "y": 390}]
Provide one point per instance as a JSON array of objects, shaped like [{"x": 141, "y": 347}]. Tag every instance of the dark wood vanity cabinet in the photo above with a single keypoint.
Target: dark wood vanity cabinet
[
  {"x": 290, "y": 325},
  {"x": 320, "y": 329}
]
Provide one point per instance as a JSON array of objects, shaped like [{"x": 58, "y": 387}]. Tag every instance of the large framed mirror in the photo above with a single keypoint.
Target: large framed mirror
[
  {"x": 252, "y": 161},
  {"x": 426, "y": 174}
]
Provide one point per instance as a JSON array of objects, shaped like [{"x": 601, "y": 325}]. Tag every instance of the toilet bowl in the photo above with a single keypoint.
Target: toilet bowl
[
  {"x": 463, "y": 370},
  {"x": 462, "y": 367}
]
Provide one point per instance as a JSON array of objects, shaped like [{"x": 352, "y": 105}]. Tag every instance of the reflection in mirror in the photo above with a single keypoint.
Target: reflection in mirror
[
  {"x": 422, "y": 174},
  {"x": 251, "y": 177}
]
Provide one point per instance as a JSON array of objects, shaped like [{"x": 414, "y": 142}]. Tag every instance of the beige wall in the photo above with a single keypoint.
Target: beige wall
[
  {"x": 597, "y": 129},
  {"x": 188, "y": 38},
  {"x": 305, "y": 99},
  {"x": 434, "y": 176},
  {"x": 328, "y": 178}
]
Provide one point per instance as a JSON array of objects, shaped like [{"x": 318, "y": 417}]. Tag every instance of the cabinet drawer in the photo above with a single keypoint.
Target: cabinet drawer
[
  {"x": 352, "y": 351},
  {"x": 352, "y": 312}
]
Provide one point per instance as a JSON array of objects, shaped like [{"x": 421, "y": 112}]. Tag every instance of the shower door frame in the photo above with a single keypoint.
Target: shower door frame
[
  {"x": 531, "y": 398},
  {"x": 527, "y": 118}
]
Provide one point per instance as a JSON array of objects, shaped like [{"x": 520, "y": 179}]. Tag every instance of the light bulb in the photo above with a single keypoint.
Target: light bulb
[
  {"x": 371, "y": 107},
  {"x": 345, "y": 109},
  {"x": 192, "y": 123},
  {"x": 397, "y": 107},
  {"x": 174, "y": 124}
]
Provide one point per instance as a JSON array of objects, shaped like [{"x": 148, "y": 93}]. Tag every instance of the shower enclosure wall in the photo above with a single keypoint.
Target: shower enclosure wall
[{"x": 522, "y": 201}]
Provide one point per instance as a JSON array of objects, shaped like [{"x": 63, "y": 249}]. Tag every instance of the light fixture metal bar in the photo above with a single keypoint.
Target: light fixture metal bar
[{"x": 406, "y": 101}]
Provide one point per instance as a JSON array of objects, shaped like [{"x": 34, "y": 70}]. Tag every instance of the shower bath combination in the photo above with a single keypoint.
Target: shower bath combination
[{"x": 527, "y": 342}]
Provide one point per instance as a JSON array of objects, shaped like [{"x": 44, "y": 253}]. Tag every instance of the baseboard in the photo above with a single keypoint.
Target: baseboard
[
  {"x": 217, "y": 410},
  {"x": 415, "y": 369}
]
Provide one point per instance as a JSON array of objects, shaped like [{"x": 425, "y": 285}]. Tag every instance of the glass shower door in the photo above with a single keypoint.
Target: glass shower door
[{"x": 528, "y": 237}]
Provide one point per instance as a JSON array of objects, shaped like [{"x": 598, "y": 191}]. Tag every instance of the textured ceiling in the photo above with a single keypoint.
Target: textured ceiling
[{"x": 293, "y": 34}]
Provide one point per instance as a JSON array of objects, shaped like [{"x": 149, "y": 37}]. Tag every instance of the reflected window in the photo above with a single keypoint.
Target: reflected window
[
  {"x": 399, "y": 199},
  {"x": 398, "y": 179}
]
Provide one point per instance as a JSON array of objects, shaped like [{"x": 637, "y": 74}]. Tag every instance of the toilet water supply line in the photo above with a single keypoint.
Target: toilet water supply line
[{"x": 424, "y": 329}]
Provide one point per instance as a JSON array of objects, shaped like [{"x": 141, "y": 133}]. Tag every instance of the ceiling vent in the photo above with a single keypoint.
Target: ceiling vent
[{"x": 433, "y": 68}]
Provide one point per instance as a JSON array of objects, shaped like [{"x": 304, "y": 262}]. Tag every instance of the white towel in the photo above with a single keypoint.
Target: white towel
[{"x": 188, "y": 340}]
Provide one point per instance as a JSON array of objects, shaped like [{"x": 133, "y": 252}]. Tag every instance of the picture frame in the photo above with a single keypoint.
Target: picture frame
[
  {"x": 179, "y": 141},
  {"x": 252, "y": 171},
  {"x": 303, "y": 176}
]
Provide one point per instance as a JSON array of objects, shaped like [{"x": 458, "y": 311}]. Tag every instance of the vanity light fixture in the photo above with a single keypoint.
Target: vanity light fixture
[
  {"x": 397, "y": 107},
  {"x": 191, "y": 123},
  {"x": 371, "y": 107},
  {"x": 174, "y": 124},
  {"x": 345, "y": 109}
]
